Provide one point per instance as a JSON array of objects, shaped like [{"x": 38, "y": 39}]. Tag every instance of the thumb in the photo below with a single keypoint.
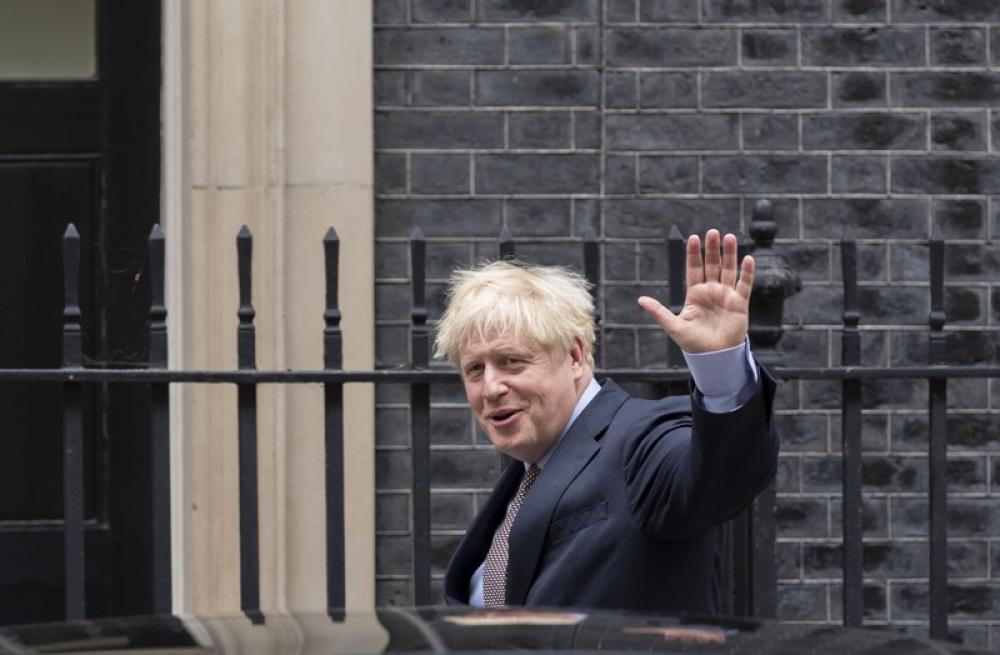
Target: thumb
[{"x": 665, "y": 318}]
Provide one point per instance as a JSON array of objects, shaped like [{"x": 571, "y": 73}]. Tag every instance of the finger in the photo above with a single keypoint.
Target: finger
[
  {"x": 665, "y": 318},
  {"x": 713, "y": 261},
  {"x": 728, "y": 276},
  {"x": 745, "y": 285},
  {"x": 695, "y": 267}
]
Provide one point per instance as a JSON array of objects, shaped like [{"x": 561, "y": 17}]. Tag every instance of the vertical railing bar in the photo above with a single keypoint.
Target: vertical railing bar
[
  {"x": 74, "y": 546},
  {"x": 159, "y": 427},
  {"x": 505, "y": 244},
  {"x": 676, "y": 266},
  {"x": 592, "y": 271},
  {"x": 853, "y": 508},
  {"x": 333, "y": 403},
  {"x": 938, "y": 447},
  {"x": 739, "y": 549},
  {"x": 247, "y": 419},
  {"x": 506, "y": 252},
  {"x": 420, "y": 447}
]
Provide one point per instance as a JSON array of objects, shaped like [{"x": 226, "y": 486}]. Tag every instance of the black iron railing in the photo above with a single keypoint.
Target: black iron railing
[{"x": 752, "y": 579}]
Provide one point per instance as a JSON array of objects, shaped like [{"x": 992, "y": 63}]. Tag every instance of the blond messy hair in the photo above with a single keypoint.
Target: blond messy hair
[{"x": 549, "y": 305}]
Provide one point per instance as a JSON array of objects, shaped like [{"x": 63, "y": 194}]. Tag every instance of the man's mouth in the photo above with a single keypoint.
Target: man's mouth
[{"x": 502, "y": 417}]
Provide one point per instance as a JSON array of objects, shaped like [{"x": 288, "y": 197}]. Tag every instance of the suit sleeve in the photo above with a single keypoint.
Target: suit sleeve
[{"x": 687, "y": 472}]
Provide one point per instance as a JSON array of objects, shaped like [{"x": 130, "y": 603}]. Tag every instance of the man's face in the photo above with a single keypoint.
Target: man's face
[{"x": 522, "y": 395}]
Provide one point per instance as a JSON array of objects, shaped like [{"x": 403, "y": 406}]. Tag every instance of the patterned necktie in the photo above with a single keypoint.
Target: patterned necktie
[{"x": 495, "y": 567}]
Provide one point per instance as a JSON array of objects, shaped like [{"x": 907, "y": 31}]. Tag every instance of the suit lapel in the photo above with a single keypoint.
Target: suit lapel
[
  {"x": 571, "y": 455},
  {"x": 472, "y": 549}
]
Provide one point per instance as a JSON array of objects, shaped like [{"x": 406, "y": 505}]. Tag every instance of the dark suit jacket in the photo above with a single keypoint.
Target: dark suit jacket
[{"x": 623, "y": 514}]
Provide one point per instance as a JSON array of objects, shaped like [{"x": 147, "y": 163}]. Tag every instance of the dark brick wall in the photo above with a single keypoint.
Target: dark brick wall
[{"x": 628, "y": 116}]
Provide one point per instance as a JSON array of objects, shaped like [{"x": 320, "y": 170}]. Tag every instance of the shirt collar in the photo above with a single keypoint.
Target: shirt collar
[{"x": 591, "y": 390}]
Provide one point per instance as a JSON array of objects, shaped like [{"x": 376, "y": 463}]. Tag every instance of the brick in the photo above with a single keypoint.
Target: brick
[
  {"x": 621, "y": 306},
  {"x": 653, "y": 217},
  {"x": 392, "y": 301},
  {"x": 438, "y": 129},
  {"x": 895, "y": 560},
  {"x": 975, "y": 433},
  {"x": 802, "y": 603},
  {"x": 958, "y": 46},
  {"x": 392, "y": 426},
  {"x": 522, "y": 174},
  {"x": 957, "y": 88},
  {"x": 965, "y": 601},
  {"x": 393, "y": 592},
  {"x": 588, "y": 46},
  {"x": 958, "y": 131},
  {"x": 786, "y": 217},
  {"x": 390, "y": 173},
  {"x": 464, "y": 468},
  {"x": 760, "y": 47},
  {"x": 764, "y": 89},
  {"x": 653, "y": 262},
  {"x": 459, "y": 217},
  {"x": 802, "y": 517},
  {"x": 539, "y": 130},
  {"x": 765, "y": 174},
  {"x": 668, "y": 90},
  {"x": 810, "y": 261},
  {"x": 390, "y": 88},
  {"x": 445, "y": 257},
  {"x": 868, "y": 46},
  {"x": 804, "y": 348},
  {"x": 442, "y": 11},
  {"x": 387, "y": 12},
  {"x": 390, "y": 345},
  {"x": 964, "y": 306},
  {"x": 392, "y": 512},
  {"x": 787, "y": 478},
  {"x": 440, "y": 88},
  {"x": 653, "y": 345},
  {"x": 450, "y": 426},
  {"x": 670, "y": 47},
  {"x": 858, "y": 174},
  {"x": 859, "y": 89},
  {"x": 995, "y": 305},
  {"x": 621, "y": 89},
  {"x": 668, "y": 175},
  {"x": 960, "y": 219},
  {"x": 392, "y": 469},
  {"x": 788, "y": 11},
  {"x": 672, "y": 131},
  {"x": 963, "y": 347},
  {"x": 971, "y": 262},
  {"x": 542, "y": 88},
  {"x": 771, "y": 131},
  {"x": 513, "y": 11},
  {"x": 668, "y": 11},
  {"x": 930, "y": 11},
  {"x": 622, "y": 11},
  {"x": 864, "y": 131},
  {"x": 789, "y": 559},
  {"x": 620, "y": 175},
  {"x": 967, "y": 517},
  {"x": 995, "y": 46},
  {"x": 587, "y": 133},
  {"x": 538, "y": 45},
  {"x": 945, "y": 175},
  {"x": 874, "y": 520},
  {"x": 874, "y": 430},
  {"x": 846, "y": 11},
  {"x": 453, "y": 46},
  {"x": 394, "y": 555},
  {"x": 620, "y": 261},
  {"x": 391, "y": 260},
  {"x": 539, "y": 217},
  {"x": 619, "y": 347},
  {"x": 442, "y": 546},
  {"x": 431, "y": 174},
  {"x": 452, "y": 511}
]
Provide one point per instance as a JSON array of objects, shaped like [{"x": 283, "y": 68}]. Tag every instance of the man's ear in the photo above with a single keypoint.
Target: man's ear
[{"x": 578, "y": 357}]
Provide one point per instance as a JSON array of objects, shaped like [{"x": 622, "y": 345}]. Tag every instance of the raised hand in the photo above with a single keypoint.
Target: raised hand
[{"x": 717, "y": 305}]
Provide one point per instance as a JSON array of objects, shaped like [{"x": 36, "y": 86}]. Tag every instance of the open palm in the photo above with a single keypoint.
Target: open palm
[{"x": 717, "y": 305}]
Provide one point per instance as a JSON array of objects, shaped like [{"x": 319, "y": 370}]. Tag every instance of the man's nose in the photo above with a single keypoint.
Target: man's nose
[{"x": 494, "y": 381}]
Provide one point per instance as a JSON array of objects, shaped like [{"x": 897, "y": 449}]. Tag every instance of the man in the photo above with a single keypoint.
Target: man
[{"x": 616, "y": 502}]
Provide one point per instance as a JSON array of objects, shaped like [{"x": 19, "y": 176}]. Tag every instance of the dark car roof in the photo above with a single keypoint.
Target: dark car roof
[{"x": 451, "y": 630}]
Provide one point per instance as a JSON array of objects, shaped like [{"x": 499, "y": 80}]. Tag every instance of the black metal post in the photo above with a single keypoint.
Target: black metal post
[
  {"x": 773, "y": 282},
  {"x": 850, "y": 415},
  {"x": 938, "y": 448},
  {"x": 159, "y": 425},
  {"x": 333, "y": 403},
  {"x": 74, "y": 546},
  {"x": 592, "y": 271},
  {"x": 676, "y": 265},
  {"x": 420, "y": 427},
  {"x": 247, "y": 418}
]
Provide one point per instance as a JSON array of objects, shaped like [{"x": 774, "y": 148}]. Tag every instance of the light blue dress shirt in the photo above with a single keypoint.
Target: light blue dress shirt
[{"x": 720, "y": 375}]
